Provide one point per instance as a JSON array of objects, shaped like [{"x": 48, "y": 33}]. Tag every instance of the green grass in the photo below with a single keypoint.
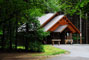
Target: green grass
[
  {"x": 20, "y": 47},
  {"x": 50, "y": 50}
]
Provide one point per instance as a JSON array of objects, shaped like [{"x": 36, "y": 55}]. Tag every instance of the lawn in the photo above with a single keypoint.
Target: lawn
[{"x": 50, "y": 50}]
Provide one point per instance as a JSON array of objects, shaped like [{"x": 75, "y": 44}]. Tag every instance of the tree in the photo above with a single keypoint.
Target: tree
[
  {"x": 14, "y": 13},
  {"x": 77, "y": 7}
]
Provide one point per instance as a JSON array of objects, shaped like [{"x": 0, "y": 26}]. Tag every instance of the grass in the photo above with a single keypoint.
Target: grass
[
  {"x": 20, "y": 47},
  {"x": 50, "y": 50}
]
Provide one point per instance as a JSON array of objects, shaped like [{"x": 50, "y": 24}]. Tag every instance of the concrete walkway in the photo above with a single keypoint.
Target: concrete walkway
[{"x": 77, "y": 52}]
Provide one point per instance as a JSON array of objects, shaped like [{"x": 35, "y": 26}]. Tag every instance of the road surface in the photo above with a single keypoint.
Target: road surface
[{"x": 77, "y": 52}]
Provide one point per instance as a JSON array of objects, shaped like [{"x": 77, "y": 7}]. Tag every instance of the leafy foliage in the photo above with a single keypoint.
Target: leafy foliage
[
  {"x": 72, "y": 6},
  {"x": 14, "y": 13}
]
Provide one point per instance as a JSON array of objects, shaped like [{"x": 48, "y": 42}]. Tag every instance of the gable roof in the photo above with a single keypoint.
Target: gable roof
[
  {"x": 51, "y": 23},
  {"x": 57, "y": 23}
]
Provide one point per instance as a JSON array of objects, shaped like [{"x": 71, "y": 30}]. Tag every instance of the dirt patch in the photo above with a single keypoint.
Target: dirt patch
[
  {"x": 23, "y": 56},
  {"x": 17, "y": 56}
]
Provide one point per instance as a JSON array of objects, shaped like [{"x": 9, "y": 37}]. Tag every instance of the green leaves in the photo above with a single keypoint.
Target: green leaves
[
  {"x": 73, "y": 6},
  {"x": 52, "y": 5},
  {"x": 35, "y": 12},
  {"x": 42, "y": 34}
]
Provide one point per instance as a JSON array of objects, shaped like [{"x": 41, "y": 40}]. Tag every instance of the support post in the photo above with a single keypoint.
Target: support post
[
  {"x": 70, "y": 35},
  {"x": 77, "y": 38}
]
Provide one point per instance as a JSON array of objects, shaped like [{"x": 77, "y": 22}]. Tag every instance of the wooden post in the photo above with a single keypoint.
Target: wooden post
[
  {"x": 58, "y": 42},
  {"x": 70, "y": 35},
  {"x": 77, "y": 38},
  {"x": 52, "y": 42},
  {"x": 71, "y": 38},
  {"x": 80, "y": 38}
]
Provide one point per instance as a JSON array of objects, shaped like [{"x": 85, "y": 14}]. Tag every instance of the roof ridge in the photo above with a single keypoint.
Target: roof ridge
[{"x": 49, "y": 19}]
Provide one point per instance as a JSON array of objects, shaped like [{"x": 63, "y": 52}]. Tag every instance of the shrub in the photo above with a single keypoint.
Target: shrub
[{"x": 36, "y": 46}]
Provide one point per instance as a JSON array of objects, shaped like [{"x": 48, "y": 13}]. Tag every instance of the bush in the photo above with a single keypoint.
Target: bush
[
  {"x": 36, "y": 46},
  {"x": 35, "y": 40}
]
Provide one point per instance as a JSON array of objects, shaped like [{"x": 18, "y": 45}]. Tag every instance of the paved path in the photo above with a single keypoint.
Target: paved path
[{"x": 78, "y": 52}]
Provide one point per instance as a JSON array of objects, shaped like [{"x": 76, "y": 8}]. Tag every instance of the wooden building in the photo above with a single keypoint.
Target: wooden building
[{"x": 60, "y": 26}]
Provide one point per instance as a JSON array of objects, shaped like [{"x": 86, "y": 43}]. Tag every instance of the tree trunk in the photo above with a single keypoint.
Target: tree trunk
[
  {"x": 80, "y": 28},
  {"x": 26, "y": 43},
  {"x": 16, "y": 34},
  {"x": 3, "y": 37},
  {"x": 77, "y": 34},
  {"x": 10, "y": 35},
  {"x": 86, "y": 30}
]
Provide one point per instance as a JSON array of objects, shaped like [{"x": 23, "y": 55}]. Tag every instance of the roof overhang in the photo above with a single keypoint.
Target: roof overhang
[{"x": 61, "y": 28}]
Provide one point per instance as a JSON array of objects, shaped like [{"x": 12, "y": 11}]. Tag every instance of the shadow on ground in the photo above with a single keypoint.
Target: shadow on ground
[{"x": 18, "y": 56}]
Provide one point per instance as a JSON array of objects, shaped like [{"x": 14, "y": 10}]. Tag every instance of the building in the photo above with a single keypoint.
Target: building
[{"x": 59, "y": 26}]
